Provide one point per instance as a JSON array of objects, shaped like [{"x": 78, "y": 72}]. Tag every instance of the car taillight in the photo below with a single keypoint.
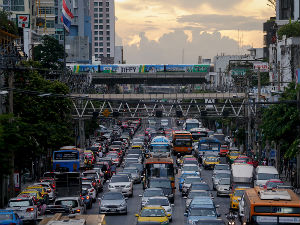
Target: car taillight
[
  {"x": 94, "y": 183},
  {"x": 78, "y": 210},
  {"x": 12, "y": 224},
  {"x": 87, "y": 197},
  {"x": 92, "y": 189},
  {"x": 29, "y": 209},
  {"x": 82, "y": 198}
]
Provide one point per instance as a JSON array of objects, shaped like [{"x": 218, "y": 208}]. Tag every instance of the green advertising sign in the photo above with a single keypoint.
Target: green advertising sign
[{"x": 238, "y": 72}]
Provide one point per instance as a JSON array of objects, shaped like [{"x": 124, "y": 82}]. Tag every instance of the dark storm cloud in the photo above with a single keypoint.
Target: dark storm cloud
[{"x": 222, "y": 22}]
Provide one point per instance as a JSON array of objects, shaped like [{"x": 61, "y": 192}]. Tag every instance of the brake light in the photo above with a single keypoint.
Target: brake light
[
  {"x": 82, "y": 198},
  {"x": 92, "y": 189},
  {"x": 12, "y": 224},
  {"x": 29, "y": 209},
  {"x": 94, "y": 183},
  {"x": 87, "y": 197},
  {"x": 78, "y": 210}
]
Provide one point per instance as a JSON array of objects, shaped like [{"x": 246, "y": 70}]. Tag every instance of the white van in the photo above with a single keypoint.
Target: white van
[{"x": 265, "y": 173}]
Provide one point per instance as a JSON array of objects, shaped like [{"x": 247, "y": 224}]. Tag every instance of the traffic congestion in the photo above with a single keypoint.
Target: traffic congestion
[{"x": 156, "y": 171}]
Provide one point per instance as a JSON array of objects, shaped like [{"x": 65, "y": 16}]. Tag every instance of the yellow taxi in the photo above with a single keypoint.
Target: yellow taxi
[
  {"x": 210, "y": 162},
  {"x": 233, "y": 156},
  {"x": 155, "y": 214},
  {"x": 42, "y": 190},
  {"x": 235, "y": 197},
  {"x": 36, "y": 195}
]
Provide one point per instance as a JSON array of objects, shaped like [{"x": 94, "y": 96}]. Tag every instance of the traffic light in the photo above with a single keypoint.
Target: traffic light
[
  {"x": 116, "y": 114},
  {"x": 179, "y": 113},
  {"x": 158, "y": 113}
]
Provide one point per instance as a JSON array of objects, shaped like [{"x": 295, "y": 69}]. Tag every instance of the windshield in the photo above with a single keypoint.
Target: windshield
[
  {"x": 190, "y": 168},
  {"x": 224, "y": 182},
  {"x": 153, "y": 213},
  {"x": 190, "y": 126},
  {"x": 88, "y": 186},
  {"x": 160, "y": 172},
  {"x": 160, "y": 148},
  {"x": 239, "y": 193},
  {"x": 183, "y": 143},
  {"x": 190, "y": 162},
  {"x": 191, "y": 180},
  {"x": 19, "y": 203},
  {"x": 152, "y": 193},
  {"x": 204, "y": 187},
  {"x": 222, "y": 167},
  {"x": 199, "y": 193},
  {"x": 222, "y": 175},
  {"x": 212, "y": 159},
  {"x": 202, "y": 212},
  {"x": 208, "y": 146},
  {"x": 71, "y": 203},
  {"x": 112, "y": 196},
  {"x": 130, "y": 170},
  {"x": 267, "y": 176},
  {"x": 155, "y": 201},
  {"x": 234, "y": 154},
  {"x": 274, "y": 184},
  {"x": 119, "y": 179},
  {"x": 160, "y": 184}
]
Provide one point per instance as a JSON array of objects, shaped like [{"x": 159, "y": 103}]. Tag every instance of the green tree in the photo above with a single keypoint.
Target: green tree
[
  {"x": 50, "y": 53},
  {"x": 279, "y": 122},
  {"x": 290, "y": 30},
  {"x": 6, "y": 24}
]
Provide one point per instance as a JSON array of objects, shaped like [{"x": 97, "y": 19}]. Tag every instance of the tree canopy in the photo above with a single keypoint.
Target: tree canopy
[{"x": 6, "y": 24}]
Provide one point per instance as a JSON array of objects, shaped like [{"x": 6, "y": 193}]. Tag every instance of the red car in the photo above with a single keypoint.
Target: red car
[
  {"x": 224, "y": 150},
  {"x": 243, "y": 159}
]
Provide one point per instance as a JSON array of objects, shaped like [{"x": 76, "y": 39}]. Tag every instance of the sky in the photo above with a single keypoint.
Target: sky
[{"x": 178, "y": 31}]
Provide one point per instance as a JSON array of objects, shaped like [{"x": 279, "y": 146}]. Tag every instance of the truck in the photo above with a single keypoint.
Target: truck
[
  {"x": 68, "y": 184},
  {"x": 242, "y": 175},
  {"x": 60, "y": 219}
]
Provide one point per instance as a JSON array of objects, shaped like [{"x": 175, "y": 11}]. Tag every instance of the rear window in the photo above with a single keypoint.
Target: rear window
[
  {"x": 119, "y": 179},
  {"x": 20, "y": 203},
  {"x": 70, "y": 203}
]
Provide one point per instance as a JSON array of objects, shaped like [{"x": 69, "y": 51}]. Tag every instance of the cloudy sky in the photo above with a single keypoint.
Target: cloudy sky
[{"x": 176, "y": 31}]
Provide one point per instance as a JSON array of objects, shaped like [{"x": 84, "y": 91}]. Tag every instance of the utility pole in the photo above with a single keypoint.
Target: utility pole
[{"x": 258, "y": 115}]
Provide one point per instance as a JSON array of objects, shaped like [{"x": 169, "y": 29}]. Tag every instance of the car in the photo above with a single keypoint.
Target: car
[
  {"x": 51, "y": 210},
  {"x": 92, "y": 180},
  {"x": 163, "y": 202},
  {"x": 113, "y": 202},
  {"x": 78, "y": 207},
  {"x": 49, "y": 189},
  {"x": 164, "y": 184},
  {"x": 210, "y": 222},
  {"x": 219, "y": 175},
  {"x": 9, "y": 217},
  {"x": 195, "y": 193},
  {"x": 36, "y": 195},
  {"x": 183, "y": 176},
  {"x": 136, "y": 176},
  {"x": 232, "y": 156},
  {"x": 153, "y": 214},
  {"x": 224, "y": 150},
  {"x": 273, "y": 183},
  {"x": 42, "y": 190},
  {"x": 98, "y": 175},
  {"x": 221, "y": 167},
  {"x": 223, "y": 187},
  {"x": 191, "y": 160},
  {"x": 86, "y": 198},
  {"x": 24, "y": 207},
  {"x": 188, "y": 182},
  {"x": 235, "y": 197},
  {"x": 191, "y": 167},
  {"x": 200, "y": 186},
  {"x": 91, "y": 190},
  {"x": 121, "y": 184},
  {"x": 210, "y": 162},
  {"x": 150, "y": 192}
]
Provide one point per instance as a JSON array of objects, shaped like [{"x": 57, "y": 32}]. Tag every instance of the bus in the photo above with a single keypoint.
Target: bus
[
  {"x": 198, "y": 133},
  {"x": 264, "y": 207},
  {"x": 160, "y": 146},
  {"x": 159, "y": 167},
  {"x": 182, "y": 142},
  {"x": 190, "y": 124},
  {"x": 67, "y": 159},
  {"x": 209, "y": 146}
]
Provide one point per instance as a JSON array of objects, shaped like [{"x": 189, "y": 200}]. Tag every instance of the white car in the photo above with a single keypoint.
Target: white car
[
  {"x": 91, "y": 190},
  {"x": 49, "y": 189},
  {"x": 24, "y": 207},
  {"x": 151, "y": 192},
  {"x": 78, "y": 207},
  {"x": 121, "y": 184},
  {"x": 191, "y": 167},
  {"x": 241, "y": 207},
  {"x": 163, "y": 202}
]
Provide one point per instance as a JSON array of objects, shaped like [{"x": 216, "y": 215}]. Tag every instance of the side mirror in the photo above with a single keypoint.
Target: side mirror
[
  {"x": 185, "y": 214},
  {"x": 169, "y": 215},
  {"x": 217, "y": 206},
  {"x": 185, "y": 197},
  {"x": 136, "y": 215},
  {"x": 140, "y": 195}
]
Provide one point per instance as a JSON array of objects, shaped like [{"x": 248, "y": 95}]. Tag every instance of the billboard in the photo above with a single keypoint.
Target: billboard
[
  {"x": 23, "y": 20},
  {"x": 261, "y": 66}
]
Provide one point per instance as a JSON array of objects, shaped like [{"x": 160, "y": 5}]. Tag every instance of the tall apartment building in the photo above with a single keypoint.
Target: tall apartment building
[
  {"x": 286, "y": 10},
  {"x": 79, "y": 39},
  {"x": 103, "y": 31}
]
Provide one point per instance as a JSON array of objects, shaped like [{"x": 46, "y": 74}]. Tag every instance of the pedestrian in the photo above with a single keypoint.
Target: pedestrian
[
  {"x": 113, "y": 169},
  {"x": 293, "y": 178}
]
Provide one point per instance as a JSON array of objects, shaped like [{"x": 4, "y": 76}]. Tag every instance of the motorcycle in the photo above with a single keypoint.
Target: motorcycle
[{"x": 231, "y": 217}]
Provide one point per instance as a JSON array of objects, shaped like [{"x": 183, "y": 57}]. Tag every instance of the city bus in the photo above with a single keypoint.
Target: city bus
[
  {"x": 264, "y": 207},
  {"x": 182, "y": 142},
  {"x": 67, "y": 159},
  {"x": 160, "y": 146},
  {"x": 209, "y": 146},
  {"x": 159, "y": 167},
  {"x": 191, "y": 123},
  {"x": 198, "y": 133}
]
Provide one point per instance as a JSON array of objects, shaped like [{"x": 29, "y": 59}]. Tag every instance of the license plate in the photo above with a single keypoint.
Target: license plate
[{"x": 113, "y": 210}]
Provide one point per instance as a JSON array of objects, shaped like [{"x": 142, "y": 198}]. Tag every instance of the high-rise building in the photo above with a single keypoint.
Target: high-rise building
[
  {"x": 287, "y": 10},
  {"x": 103, "y": 31},
  {"x": 79, "y": 39}
]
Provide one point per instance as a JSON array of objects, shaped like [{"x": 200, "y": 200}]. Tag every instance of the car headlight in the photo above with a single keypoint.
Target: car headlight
[
  {"x": 123, "y": 204},
  {"x": 127, "y": 186}
]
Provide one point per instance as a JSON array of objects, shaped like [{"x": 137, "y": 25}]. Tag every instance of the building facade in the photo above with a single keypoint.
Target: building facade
[
  {"x": 103, "y": 31},
  {"x": 286, "y": 10}
]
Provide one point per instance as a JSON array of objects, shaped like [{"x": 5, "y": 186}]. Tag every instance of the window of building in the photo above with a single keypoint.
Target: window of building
[
  {"x": 107, "y": 32},
  {"x": 47, "y": 10},
  {"x": 100, "y": 3},
  {"x": 75, "y": 11},
  {"x": 107, "y": 44},
  {"x": 75, "y": 19},
  {"x": 15, "y": 5},
  {"x": 50, "y": 23},
  {"x": 107, "y": 27},
  {"x": 95, "y": 21},
  {"x": 101, "y": 49},
  {"x": 101, "y": 38},
  {"x": 101, "y": 44},
  {"x": 96, "y": 55},
  {"x": 95, "y": 26},
  {"x": 107, "y": 4},
  {"x": 108, "y": 55},
  {"x": 96, "y": 43},
  {"x": 95, "y": 9},
  {"x": 100, "y": 32},
  {"x": 108, "y": 50},
  {"x": 96, "y": 32},
  {"x": 101, "y": 55},
  {"x": 100, "y": 26},
  {"x": 286, "y": 9},
  {"x": 107, "y": 15},
  {"x": 107, "y": 9},
  {"x": 108, "y": 38},
  {"x": 107, "y": 20},
  {"x": 100, "y": 9},
  {"x": 95, "y": 3},
  {"x": 95, "y": 15},
  {"x": 101, "y": 21},
  {"x": 96, "y": 49},
  {"x": 100, "y": 15},
  {"x": 96, "y": 38}
]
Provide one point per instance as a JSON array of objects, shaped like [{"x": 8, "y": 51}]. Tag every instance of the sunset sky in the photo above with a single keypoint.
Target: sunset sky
[{"x": 172, "y": 31}]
